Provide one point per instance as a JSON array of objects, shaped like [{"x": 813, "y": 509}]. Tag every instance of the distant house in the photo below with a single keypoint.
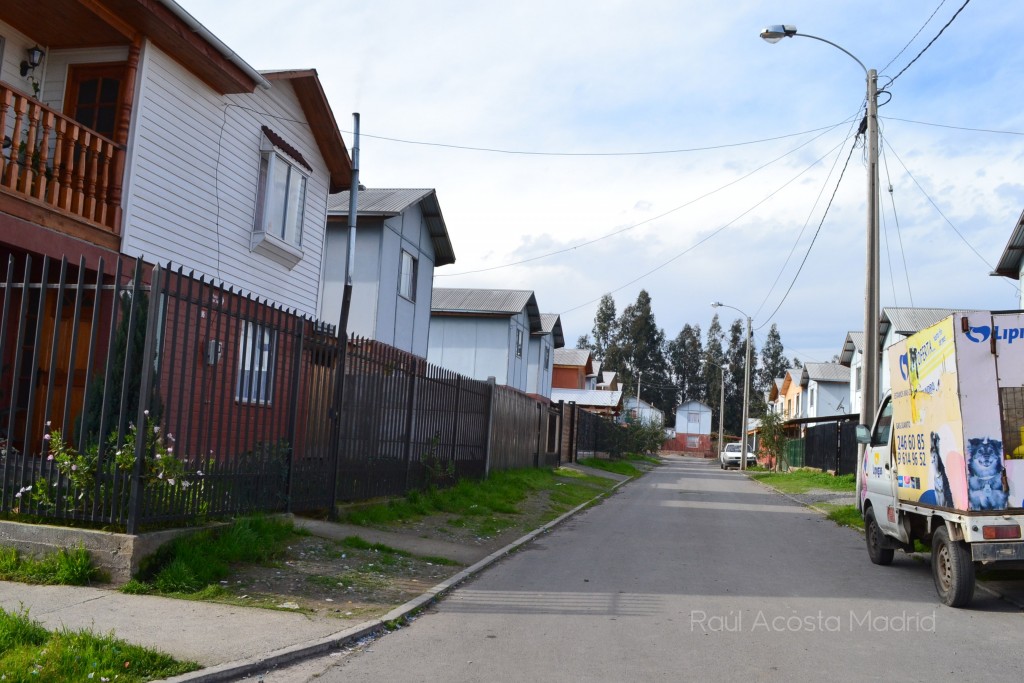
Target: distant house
[
  {"x": 693, "y": 429},
  {"x": 541, "y": 362},
  {"x": 572, "y": 368},
  {"x": 484, "y": 333},
  {"x": 634, "y": 408},
  {"x": 607, "y": 403},
  {"x": 852, "y": 356},
  {"x": 827, "y": 389},
  {"x": 1011, "y": 263},
  {"x": 401, "y": 237},
  {"x": 774, "y": 399},
  {"x": 791, "y": 394}
]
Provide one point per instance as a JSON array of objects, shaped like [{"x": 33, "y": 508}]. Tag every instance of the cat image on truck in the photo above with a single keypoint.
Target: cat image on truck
[{"x": 944, "y": 460}]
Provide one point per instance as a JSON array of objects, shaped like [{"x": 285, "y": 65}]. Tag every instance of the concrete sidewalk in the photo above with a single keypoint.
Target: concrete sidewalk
[{"x": 233, "y": 641}]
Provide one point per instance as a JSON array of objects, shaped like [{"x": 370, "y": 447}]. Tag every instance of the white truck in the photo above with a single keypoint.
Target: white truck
[{"x": 944, "y": 460}]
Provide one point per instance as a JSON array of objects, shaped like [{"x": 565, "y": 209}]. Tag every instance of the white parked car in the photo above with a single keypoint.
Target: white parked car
[{"x": 730, "y": 457}]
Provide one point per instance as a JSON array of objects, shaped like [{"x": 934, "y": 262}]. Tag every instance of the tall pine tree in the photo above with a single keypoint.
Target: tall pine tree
[
  {"x": 685, "y": 355},
  {"x": 641, "y": 348},
  {"x": 714, "y": 358}
]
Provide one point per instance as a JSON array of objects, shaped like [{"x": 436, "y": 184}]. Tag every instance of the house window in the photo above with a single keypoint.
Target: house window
[
  {"x": 281, "y": 199},
  {"x": 519, "y": 343},
  {"x": 692, "y": 418},
  {"x": 811, "y": 398},
  {"x": 858, "y": 378},
  {"x": 407, "y": 271},
  {"x": 547, "y": 356},
  {"x": 256, "y": 353},
  {"x": 693, "y": 442}
]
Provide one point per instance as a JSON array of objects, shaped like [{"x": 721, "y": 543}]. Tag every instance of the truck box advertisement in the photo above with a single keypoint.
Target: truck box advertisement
[{"x": 958, "y": 412}]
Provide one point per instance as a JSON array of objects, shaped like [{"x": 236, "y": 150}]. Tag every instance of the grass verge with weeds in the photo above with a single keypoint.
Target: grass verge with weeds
[
  {"x": 65, "y": 567},
  {"x": 486, "y": 505},
  {"x": 29, "y": 652},
  {"x": 192, "y": 566},
  {"x": 802, "y": 481},
  {"x": 844, "y": 515}
]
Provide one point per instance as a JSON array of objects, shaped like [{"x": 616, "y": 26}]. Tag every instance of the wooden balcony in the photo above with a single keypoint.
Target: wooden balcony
[{"x": 57, "y": 173}]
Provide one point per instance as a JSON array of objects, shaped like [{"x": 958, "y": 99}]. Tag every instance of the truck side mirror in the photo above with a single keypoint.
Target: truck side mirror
[{"x": 863, "y": 434}]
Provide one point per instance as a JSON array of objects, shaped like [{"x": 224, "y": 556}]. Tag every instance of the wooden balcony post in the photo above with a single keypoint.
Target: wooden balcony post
[
  {"x": 53, "y": 187},
  {"x": 43, "y": 173},
  {"x": 5, "y": 104},
  {"x": 11, "y": 173}
]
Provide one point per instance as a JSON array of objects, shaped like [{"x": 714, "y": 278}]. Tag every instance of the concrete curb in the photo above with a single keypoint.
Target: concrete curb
[{"x": 232, "y": 670}]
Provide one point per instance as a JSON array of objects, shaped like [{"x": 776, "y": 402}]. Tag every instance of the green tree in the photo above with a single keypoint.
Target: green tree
[
  {"x": 736, "y": 358},
  {"x": 714, "y": 358},
  {"x": 685, "y": 356},
  {"x": 641, "y": 355},
  {"x": 605, "y": 327},
  {"x": 583, "y": 342},
  {"x": 772, "y": 439},
  {"x": 773, "y": 361}
]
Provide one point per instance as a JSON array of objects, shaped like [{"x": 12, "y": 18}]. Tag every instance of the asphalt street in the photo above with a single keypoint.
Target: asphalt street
[{"x": 692, "y": 573}]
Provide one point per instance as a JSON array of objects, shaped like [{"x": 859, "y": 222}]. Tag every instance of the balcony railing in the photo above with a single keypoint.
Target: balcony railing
[{"x": 53, "y": 160}]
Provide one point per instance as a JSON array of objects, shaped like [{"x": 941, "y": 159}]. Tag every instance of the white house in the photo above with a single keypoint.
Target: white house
[
  {"x": 401, "y": 237},
  {"x": 541, "y": 362},
  {"x": 634, "y": 408},
  {"x": 484, "y": 333},
  {"x": 693, "y": 428},
  {"x": 826, "y": 389},
  {"x": 153, "y": 138},
  {"x": 852, "y": 356}
]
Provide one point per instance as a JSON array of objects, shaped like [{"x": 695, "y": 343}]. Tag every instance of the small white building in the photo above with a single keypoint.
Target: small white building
[
  {"x": 541, "y": 362},
  {"x": 640, "y": 410}
]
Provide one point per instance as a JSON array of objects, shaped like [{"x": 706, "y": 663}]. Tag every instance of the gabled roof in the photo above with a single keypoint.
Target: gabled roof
[
  {"x": 854, "y": 342},
  {"x": 775, "y": 389},
  {"x": 827, "y": 372},
  {"x": 392, "y": 202},
  {"x": 58, "y": 24},
  {"x": 579, "y": 358},
  {"x": 551, "y": 323},
  {"x": 595, "y": 398},
  {"x": 607, "y": 378},
  {"x": 1013, "y": 253},
  {"x": 487, "y": 303},
  {"x": 317, "y": 109},
  {"x": 908, "y": 321}
]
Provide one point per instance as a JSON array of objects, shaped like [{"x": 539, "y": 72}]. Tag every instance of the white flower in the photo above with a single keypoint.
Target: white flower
[
  {"x": 160, "y": 476},
  {"x": 146, "y": 413},
  {"x": 170, "y": 481},
  {"x": 47, "y": 423},
  {"x": 156, "y": 429},
  {"x": 199, "y": 472}
]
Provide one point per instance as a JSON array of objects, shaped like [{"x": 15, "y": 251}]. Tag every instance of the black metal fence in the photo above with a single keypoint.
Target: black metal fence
[
  {"x": 831, "y": 446},
  {"x": 135, "y": 396}
]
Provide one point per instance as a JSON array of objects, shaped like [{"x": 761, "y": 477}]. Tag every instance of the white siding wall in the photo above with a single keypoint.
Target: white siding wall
[
  {"x": 14, "y": 53},
  {"x": 193, "y": 172},
  {"x": 476, "y": 347},
  {"x": 538, "y": 374},
  {"x": 704, "y": 423},
  {"x": 518, "y": 366},
  {"x": 362, "y": 317},
  {"x": 827, "y": 397}
]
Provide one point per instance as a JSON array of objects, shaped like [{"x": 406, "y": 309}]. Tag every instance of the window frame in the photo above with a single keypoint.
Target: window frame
[
  {"x": 519, "y": 343},
  {"x": 255, "y": 368},
  {"x": 288, "y": 203},
  {"x": 413, "y": 276}
]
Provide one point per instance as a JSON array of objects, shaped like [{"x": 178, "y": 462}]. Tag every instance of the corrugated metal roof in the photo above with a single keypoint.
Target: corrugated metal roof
[
  {"x": 576, "y": 357},
  {"x": 854, "y": 342},
  {"x": 552, "y": 324},
  {"x": 827, "y": 372},
  {"x": 1013, "y": 253},
  {"x": 509, "y": 302},
  {"x": 392, "y": 202},
  {"x": 588, "y": 397}
]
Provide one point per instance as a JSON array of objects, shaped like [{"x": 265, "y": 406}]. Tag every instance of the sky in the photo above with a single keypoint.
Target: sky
[{"x": 620, "y": 145}]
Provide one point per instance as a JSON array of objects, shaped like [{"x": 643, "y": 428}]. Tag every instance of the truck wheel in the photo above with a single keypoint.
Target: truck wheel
[
  {"x": 873, "y": 534},
  {"x": 952, "y": 569}
]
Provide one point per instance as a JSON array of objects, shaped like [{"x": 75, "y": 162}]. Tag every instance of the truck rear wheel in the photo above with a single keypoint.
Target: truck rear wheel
[
  {"x": 952, "y": 569},
  {"x": 873, "y": 535}
]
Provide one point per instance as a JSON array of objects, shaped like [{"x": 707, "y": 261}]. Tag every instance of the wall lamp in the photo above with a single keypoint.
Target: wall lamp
[{"x": 35, "y": 58}]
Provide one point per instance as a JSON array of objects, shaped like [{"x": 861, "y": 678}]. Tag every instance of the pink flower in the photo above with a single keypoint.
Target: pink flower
[
  {"x": 74, "y": 468},
  {"x": 50, "y": 456},
  {"x": 46, "y": 437}
]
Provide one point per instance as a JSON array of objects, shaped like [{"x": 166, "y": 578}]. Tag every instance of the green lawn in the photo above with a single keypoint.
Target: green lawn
[
  {"x": 802, "y": 481},
  {"x": 31, "y": 653}
]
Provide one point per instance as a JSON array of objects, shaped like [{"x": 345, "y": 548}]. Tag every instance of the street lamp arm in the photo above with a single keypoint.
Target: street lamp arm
[
  {"x": 719, "y": 304},
  {"x": 838, "y": 47},
  {"x": 774, "y": 34}
]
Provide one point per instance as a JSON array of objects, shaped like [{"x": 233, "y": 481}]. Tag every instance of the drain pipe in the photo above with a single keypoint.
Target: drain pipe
[{"x": 353, "y": 208}]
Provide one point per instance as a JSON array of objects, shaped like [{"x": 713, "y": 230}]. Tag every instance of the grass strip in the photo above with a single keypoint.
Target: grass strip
[
  {"x": 194, "y": 565},
  {"x": 500, "y": 494},
  {"x": 802, "y": 481},
  {"x": 65, "y": 567},
  {"x": 844, "y": 515},
  {"x": 31, "y": 653}
]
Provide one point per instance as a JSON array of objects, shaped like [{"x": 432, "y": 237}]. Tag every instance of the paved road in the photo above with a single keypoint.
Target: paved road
[{"x": 693, "y": 573}]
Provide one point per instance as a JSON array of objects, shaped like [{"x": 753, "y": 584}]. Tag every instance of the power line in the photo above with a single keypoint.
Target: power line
[
  {"x": 645, "y": 221},
  {"x": 498, "y": 150},
  {"x": 927, "y": 21},
  {"x": 816, "y": 232},
  {"x": 807, "y": 221},
  {"x": 713, "y": 233},
  {"x": 942, "y": 125},
  {"x": 899, "y": 233},
  {"x": 930, "y": 43}
]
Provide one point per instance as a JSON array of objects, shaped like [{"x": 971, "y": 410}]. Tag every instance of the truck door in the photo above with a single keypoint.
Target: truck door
[{"x": 879, "y": 470}]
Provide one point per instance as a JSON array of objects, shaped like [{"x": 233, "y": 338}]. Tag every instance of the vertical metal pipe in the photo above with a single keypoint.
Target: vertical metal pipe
[
  {"x": 746, "y": 402},
  {"x": 145, "y": 383}
]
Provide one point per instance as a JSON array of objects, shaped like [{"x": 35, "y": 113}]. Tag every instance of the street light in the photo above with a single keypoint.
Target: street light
[
  {"x": 746, "y": 388},
  {"x": 869, "y": 398}
]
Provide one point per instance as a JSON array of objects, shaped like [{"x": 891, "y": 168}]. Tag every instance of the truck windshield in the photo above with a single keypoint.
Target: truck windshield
[{"x": 884, "y": 424}]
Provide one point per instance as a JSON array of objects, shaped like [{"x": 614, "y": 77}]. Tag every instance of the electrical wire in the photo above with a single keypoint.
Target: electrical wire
[
  {"x": 927, "y": 21},
  {"x": 816, "y": 233},
  {"x": 888, "y": 255},
  {"x": 930, "y": 43},
  {"x": 942, "y": 125},
  {"x": 807, "y": 221},
  {"x": 498, "y": 150},
  {"x": 899, "y": 232},
  {"x": 711, "y": 234},
  {"x": 936, "y": 206},
  {"x": 645, "y": 221}
]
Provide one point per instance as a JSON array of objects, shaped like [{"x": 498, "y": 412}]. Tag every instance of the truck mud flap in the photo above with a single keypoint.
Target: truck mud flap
[{"x": 991, "y": 552}]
